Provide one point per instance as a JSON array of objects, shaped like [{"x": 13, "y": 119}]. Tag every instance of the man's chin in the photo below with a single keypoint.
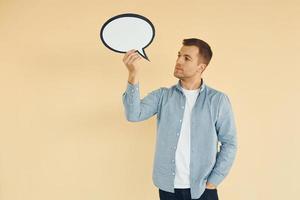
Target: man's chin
[{"x": 176, "y": 76}]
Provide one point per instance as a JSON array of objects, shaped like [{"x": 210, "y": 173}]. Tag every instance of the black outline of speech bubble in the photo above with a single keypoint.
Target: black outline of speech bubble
[{"x": 128, "y": 15}]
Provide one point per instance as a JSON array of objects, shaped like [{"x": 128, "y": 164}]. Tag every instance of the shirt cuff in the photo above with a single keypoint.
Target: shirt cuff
[
  {"x": 215, "y": 179},
  {"x": 132, "y": 88}
]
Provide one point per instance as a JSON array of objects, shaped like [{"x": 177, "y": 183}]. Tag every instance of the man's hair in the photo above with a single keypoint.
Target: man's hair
[{"x": 204, "y": 49}]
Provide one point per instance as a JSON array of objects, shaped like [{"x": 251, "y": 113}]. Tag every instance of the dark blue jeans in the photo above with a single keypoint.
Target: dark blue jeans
[{"x": 185, "y": 194}]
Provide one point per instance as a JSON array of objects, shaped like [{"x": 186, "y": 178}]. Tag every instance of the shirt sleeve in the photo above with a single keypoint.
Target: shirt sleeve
[
  {"x": 226, "y": 130},
  {"x": 137, "y": 109}
]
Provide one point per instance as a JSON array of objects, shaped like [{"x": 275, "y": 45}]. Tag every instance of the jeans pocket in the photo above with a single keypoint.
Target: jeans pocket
[
  {"x": 164, "y": 195},
  {"x": 211, "y": 194}
]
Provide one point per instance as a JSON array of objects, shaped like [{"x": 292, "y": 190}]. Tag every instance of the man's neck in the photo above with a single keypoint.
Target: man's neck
[{"x": 191, "y": 84}]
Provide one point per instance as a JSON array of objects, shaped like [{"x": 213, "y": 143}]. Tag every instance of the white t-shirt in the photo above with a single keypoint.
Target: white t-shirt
[{"x": 182, "y": 158}]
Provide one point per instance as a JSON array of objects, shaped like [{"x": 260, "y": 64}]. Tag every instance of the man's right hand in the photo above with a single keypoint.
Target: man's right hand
[{"x": 130, "y": 60}]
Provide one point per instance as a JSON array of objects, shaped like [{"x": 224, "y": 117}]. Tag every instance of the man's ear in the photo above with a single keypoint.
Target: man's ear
[{"x": 202, "y": 67}]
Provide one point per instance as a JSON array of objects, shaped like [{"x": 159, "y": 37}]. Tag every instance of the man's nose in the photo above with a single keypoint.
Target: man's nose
[{"x": 179, "y": 61}]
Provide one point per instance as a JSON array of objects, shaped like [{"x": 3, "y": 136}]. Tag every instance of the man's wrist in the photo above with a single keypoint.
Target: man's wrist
[
  {"x": 133, "y": 78},
  {"x": 210, "y": 186}
]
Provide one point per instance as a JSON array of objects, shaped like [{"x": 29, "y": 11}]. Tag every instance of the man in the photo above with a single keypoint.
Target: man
[{"x": 191, "y": 119}]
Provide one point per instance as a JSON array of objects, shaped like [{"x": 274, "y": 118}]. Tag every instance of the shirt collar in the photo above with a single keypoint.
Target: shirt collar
[{"x": 202, "y": 86}]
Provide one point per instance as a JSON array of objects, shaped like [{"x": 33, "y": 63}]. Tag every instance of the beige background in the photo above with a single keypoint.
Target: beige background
[{"x": 63, "y": 132}]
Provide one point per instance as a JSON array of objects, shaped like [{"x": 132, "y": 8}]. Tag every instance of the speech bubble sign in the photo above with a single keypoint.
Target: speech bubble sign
[{"x": 128, "y": 31}]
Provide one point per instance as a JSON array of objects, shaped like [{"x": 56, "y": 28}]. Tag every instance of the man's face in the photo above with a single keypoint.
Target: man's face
[{"x": 188, "y": 63}]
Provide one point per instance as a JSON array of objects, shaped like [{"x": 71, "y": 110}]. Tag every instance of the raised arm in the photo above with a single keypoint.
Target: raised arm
[{"x": 137, "y": 109}]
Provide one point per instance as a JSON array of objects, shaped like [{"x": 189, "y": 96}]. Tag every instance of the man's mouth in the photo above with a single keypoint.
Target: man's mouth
[{"x": 177, "y": 67}]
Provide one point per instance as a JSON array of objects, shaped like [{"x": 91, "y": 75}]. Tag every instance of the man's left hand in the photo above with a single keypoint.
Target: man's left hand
[{"x": 210, "y": 186}]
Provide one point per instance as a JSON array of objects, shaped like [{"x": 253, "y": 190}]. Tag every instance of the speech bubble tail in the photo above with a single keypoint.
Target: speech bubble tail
[{"x": 142, "y": 53}]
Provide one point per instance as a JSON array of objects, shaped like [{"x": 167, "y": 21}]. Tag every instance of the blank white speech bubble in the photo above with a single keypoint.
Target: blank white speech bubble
[{"x": 128, "y": 31}]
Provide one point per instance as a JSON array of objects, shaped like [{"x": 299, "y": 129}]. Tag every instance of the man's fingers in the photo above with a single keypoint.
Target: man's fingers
[
  {"x": 129, "y": 58},
  {"x": 133, "y": 58},
  {"x": 128, "y": 53}
]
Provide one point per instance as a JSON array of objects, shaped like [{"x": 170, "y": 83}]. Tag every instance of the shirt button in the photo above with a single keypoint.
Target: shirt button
[
  {"x": 174, "y": 147},
  {"x": 182, "y": 107},
  {"x": 173, "y": 160},
  {"x": 180, "y": 120},
  {"x": 177, "y": 134},
  {"x": 173, "y": 173}
]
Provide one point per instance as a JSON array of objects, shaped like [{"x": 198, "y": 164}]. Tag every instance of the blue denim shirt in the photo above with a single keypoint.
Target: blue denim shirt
[{"x": 212, "y": 121}]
